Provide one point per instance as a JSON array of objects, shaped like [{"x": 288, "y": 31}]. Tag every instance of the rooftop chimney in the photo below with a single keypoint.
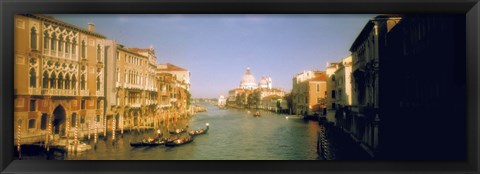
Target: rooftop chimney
[{"x": 91, "y": 27}]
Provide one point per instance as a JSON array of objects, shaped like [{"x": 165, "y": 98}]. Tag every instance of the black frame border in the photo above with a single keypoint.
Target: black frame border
[{"x": 9, "y": 7}]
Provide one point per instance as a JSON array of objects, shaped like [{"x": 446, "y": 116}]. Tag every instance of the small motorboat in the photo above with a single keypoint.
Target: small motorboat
[
  {"x": 198, "y": 131},
  {"x": 149, "y": 142},
  {"x": 257, "y": 114},
  {"x": 177, "y": 131},
  {"x": 179, "y": 141}
]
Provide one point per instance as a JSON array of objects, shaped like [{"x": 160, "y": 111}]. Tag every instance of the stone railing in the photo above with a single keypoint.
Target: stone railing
[
  {"x": 59, "y": 92},
  {"x": 135, "y": 105},
  {"x": 35, "y": 91},
  {"x": 85, "y": 92},
  {"x": 99, "y": 93},
  {"x": 132, "y": 86}
]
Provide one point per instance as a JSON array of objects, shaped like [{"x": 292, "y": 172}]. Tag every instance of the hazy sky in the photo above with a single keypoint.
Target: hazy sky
[{"x": 218, "y": 48}]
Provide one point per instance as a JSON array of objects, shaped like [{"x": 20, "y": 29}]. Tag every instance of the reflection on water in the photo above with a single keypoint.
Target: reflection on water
[{"x": 233, "y": 135}]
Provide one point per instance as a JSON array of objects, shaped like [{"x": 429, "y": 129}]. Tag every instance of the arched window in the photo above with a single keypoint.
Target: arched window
[
  {"x": 82, "y": 82},
  {"x": 33, "y": 78},
  {"x": 99, "y": 52},
  {"x": 52, "y": 43},
  {"x": 31, "y": 123},
  {"x": 74, "y": 46},
  {"x": 43, "y": 122},
  {"x": 33, "y": 39},
  {"x": 60, "y": 81},
  {"x": 67, "y": 81},
  {"x": 83, "y": 49},
  {"x": 60, "y": 43},
  {"x": 53, "y": 80},
  {"x": 45, "y": 40},
  {"x": 74, "y": 82},
  {"x": 67, "y": 45},
  {"x": 333, "y": 77},
  {"x": 45, "y": 79},
  {"x": 98, "y": 83}
]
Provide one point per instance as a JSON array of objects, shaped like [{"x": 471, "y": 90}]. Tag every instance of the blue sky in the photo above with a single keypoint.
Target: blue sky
[{"x": 218, "y": 48}]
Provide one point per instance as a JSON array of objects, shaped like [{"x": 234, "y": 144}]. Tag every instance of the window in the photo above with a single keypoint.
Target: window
[
  {"x": 82, "y": 82},
  {"x": 33, "y": 104},
  {"x": 52, "y": 43},
  {"x": 98, "y": 104},
  {"x": 45, "y": 79},
  {"x": 98, "y": 118},
  {"x": 45, "y": 40},
  {"x": 67, "y": 46},
  {"x": 60, "y": 81},
  {"x": 60, "y": 44},
  {"x": 67, "y": 82},
  {"x": 52, "y": 80},
  {"x": 83, "y": 104},
  {"x": 43, "y": 122},
  {"x": 74, "y": 82},
  {"x": 31, "y": 123},
  {"x": 333, "y": 77},
  {"x": 98, "y": 83},
  {"x": 33, "y": 39},
  {"x": 334, "y": 105},
  {"x": 74, "y": 46},
  {"x": 333, "y": 94},
  {"x": 33, "y": 78},
  {"x": 82, "y": 119},
  {"x": 99, "y": 53},
  {"x": 83, "y": 50},
  {"x": 318, "y": 87}
]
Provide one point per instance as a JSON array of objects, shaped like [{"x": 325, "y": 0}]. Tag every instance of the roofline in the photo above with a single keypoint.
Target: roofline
[
  {"x": 64, "y": 24},
  {"x": 131, "y": 52}
]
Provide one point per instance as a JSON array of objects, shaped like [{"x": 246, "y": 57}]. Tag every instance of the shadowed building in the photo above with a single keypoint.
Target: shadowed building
[{"x": 425, "y": 117}]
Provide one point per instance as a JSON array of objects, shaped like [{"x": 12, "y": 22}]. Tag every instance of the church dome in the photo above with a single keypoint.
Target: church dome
[{"x": 248, "y": 81}]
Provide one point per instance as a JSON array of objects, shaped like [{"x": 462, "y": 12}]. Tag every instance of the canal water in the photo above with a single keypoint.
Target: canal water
[{"x": 234, "y": 134}]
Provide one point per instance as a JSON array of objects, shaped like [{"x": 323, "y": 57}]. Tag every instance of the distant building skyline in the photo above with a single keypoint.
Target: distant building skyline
[{"x": 217, "y": 49}]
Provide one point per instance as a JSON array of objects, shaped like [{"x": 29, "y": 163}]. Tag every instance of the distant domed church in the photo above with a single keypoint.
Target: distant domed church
[
  {"x": 248, "y": 81},
  {"x": 265, "y": 83}
]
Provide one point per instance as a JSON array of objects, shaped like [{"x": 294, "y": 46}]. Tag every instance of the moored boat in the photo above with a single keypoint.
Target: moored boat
[
  {"x": 257, "y": 114},
  {"x": 149, "y": 142},
  {"x": 199, "y": 131},
  {"x": 177, "y": 131},
  {"x": 179, "y": 141}
]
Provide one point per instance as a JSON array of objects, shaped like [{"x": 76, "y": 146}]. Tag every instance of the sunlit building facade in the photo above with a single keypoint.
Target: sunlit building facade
[{"x": 59, "y": 82}]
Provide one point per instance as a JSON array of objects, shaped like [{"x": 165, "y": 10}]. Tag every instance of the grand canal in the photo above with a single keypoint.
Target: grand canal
[{"x": 234, "y": 134}]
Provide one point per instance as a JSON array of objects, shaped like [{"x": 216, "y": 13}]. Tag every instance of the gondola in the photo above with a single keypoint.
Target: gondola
[
  {"x": 177, "y": 131},
  {"x": 149, "y": 143},
  {"x": 198, "y": 132},
  {"x": 179, "y": 141}
]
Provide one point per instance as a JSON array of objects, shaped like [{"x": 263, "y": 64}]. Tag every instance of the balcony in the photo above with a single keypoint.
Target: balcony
[
  {"x": 99, "y": 93},
  {"x": 163, "y": 93},
  {"x": 85, "y": 92},
  {"x": 135, "y": 105},
  {"x": 35, "y": 91},
  {"x": 132, "y": 86},
  {"x": 118, "y": 84},
  {"x": 59, "y": 92}
]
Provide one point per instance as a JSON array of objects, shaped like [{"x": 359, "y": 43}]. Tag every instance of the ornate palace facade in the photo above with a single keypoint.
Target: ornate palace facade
[{"x": 71, "y": 81}]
